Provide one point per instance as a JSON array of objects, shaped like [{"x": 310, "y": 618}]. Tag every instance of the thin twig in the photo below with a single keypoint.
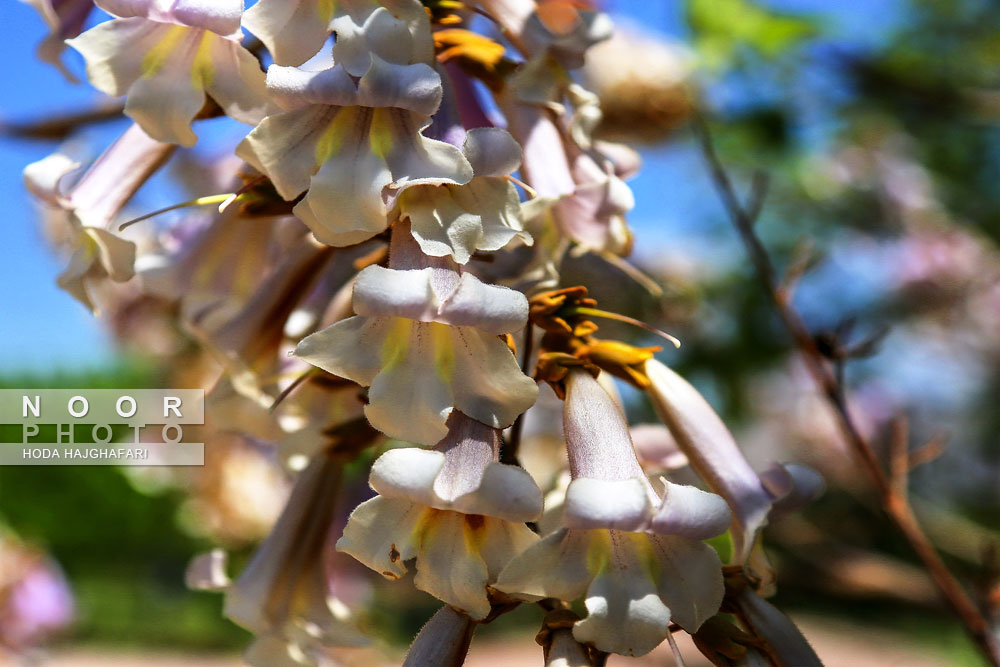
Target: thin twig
[
  {"x": 899, "y": 457},
  {"x": 60, "y": 126},
  {"x": 896, "y": 506}
]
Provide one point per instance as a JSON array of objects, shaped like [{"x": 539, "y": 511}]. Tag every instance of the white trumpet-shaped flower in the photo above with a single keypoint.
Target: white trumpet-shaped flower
[
  {"x": 426, "y": 342},
  {"x": 283, "y": 596},
  {"x": 351, "y": 142},
  {"x": 712, "y": 452},
  {"x": 166, "y": 56},
  {"x": 88, "y": 206},
  {"x": 635, "y": 556},
  {"x": 455, "y": 509},
  {"x": 293, "y": 31},
  {"x": 484, "y": 214}
]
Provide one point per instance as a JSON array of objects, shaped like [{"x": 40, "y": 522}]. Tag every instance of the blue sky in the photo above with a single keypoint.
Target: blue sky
[{"x": 42, "y": 329}]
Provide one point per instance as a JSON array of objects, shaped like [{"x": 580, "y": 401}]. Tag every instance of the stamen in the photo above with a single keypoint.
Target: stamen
[
  {"x": 249, "y": 185},
  {"x": 290, "y": 388},
  {"x": 527, "y": 188},
  {"x": 200, "y": 201},
  {"x": 596, "y": 312},
  {"x": 632, "y": 272}
]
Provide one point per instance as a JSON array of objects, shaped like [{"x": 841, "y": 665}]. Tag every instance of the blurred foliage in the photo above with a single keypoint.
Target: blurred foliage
[
  {"x": 723, "y": 27},
  {"x": 121, "y": 548}
]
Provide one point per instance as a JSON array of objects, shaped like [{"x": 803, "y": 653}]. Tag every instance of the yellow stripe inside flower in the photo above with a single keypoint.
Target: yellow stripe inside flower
[
  {"x": 333, "y": 137},
  {"x": 156, "y": 57},
  {"x": 183, "y": 37},
  {"x": 444, "y": 353},
  {"x": 397, "y": 343},
  {"x": 203, "y": 69},
  {"x": 380, "y": 133},
  {"x": 325, "y": 9}
]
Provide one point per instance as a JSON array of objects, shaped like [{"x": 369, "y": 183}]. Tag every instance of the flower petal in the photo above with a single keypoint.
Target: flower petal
[
  {"x": 596, "y": 503},
  {"x": 220, "y": 16},
  {"x": 439, "y": 224},
  {"x": 492, "y": 151},
  {"x": 415, "y": 87},
  {"x": 625, "y": 614},
  {"x": 506, "y": 492},
  {"x": 349, "y": 348},
  {"x": 344, "y": 204},
  {"x": 439, "y": 295},
  {"x": 488, "y": 383},
  {"x": 561, "y": 565},
  {"x": 792, "y": 485},
  {"x": 111, "y": 181},
  {"x": 407, "y": 473},
  {"x": 236, "y": 82},
  {"x": 501, "y": 541},
  {"x": 44, "y": 178},
  {"x": 380, "y": 33},
  {"x": 207, "y": 572},
  {"x": 292, "y": 30},
  {"x": 115, "y": 255},
  {"x": 380, "y": 534},
  {"x": 412, "y": 396},
  {"x": 713, "y": 452},
  {"x": 73, "y": 278},
  {"x": 111, "y": 67},
  {"x": 689, "y": 578},
  {"x": 490, "y": 308},
  {"x": 656, "y": 447},
  {"x": 170, "y": 93},
  {"x": 690, "y": 512},
  {"x": 284, "y": 147},
  {"x": 447, "y": 567}
]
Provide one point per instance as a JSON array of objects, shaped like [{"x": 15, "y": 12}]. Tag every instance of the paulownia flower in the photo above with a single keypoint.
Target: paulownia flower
[
  {"x": 97, "y": 255},
  {"x": 166, "y": 55},
  {"x": 89, "y": 205},
  {"x": 636, "y": 556},
  {"x": 556, "y": 29},
  {"x": 484, "y": 214},
  {"x": 251, "y": 344},
  {"x": 712, "y": 452},
  {"x": 295, "y": 30},
  {"x": 582, "y": 177},
  {"x": 349, "y": 141},
  {"x": 426, "y": 342},
  {"x": 454, "y": 508},
  {"x": 283, "y": 596},
  {"x": 65, "y": 19}
]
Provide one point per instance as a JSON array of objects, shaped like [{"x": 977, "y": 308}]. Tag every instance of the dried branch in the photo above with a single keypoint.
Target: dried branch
[
  {"x": 60, "y": 126},
  {"x": 894, "y": 503}
]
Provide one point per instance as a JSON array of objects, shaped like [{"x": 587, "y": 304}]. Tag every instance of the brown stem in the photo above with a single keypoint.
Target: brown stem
[
  {"x": 894, "y": 503},
  {"x": 59, "y": 126}
]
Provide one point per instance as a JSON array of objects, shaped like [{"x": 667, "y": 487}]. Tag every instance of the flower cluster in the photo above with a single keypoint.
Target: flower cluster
[{"x": 374, "y": 279}]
